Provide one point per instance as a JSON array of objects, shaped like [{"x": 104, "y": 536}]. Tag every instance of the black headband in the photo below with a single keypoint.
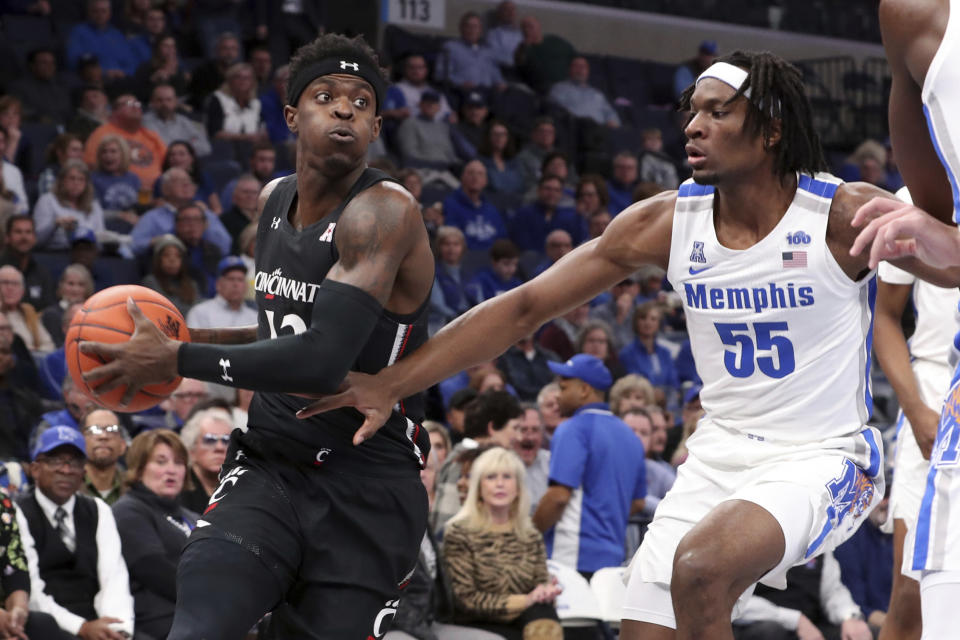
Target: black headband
[{"x": 329, "y": 66}]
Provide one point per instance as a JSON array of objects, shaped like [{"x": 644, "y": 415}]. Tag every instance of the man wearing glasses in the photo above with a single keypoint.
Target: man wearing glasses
[
  {"x": 77, "y": 573},
  {"x": 206, "y": 436},
  {"x": 147, "y": 149},
  {"x": 104, "y": 438}
]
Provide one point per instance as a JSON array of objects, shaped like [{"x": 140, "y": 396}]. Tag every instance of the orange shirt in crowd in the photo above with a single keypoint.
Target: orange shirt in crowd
[{"x": 147, "y": 151}]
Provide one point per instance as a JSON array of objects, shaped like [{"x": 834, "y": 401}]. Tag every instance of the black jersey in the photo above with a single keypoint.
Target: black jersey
[{"x": 290, "y": 265}]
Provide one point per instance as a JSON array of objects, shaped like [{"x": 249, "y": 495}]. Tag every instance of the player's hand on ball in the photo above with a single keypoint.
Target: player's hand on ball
[
  {"x": 895, "y": 229},
  {"x": 366, "y": 394},
  {"x": 147, "y": 357}
]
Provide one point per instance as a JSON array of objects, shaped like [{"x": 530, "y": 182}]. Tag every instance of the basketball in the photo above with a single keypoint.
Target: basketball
[{"x": 104, "y": 318}]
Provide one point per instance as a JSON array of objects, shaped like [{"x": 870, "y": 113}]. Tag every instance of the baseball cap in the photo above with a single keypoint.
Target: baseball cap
[
  {"x": 475, "y": 99},
  {"x": 429, "y": 96},
  {"x": 708, "y": 46},
  {"x": 82, "y": 234},
  {"x": 59, "y": 436},
  {"x": 229, "y": 263},
  {"x": 584, "y": 367},
  {"x": 166, "y": 240}
]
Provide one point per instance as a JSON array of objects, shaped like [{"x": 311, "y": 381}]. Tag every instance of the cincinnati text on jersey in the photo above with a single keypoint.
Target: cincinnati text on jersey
[
  {"x": 275, "y": 284},
  {"x": 700, "y": 296}
]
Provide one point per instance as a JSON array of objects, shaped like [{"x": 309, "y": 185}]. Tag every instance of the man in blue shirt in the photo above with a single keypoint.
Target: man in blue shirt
[
  {"x": 468, "y": 63},
  {"x": 178, "y": 191},
  {"x": 597, "y": 473},
  {"x": 624, "y": 180},
  {"x": 534, "y": 222},
  {"x": 98, "y": 37},
  {"x": 469, "y": 211}
]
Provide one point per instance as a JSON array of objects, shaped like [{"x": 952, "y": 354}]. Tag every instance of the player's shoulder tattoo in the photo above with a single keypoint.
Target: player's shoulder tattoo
[{"x": 376, "y": 222}]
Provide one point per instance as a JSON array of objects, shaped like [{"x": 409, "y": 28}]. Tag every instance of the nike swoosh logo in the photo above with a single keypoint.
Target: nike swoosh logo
[{"x": 694, "y": 272}]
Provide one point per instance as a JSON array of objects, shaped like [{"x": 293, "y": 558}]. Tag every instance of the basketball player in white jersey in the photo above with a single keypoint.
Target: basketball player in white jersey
[
  {"x": 920, "y": 374},
  {"x": 922, "y": 41},
  {"x": 782, "y": 467}
]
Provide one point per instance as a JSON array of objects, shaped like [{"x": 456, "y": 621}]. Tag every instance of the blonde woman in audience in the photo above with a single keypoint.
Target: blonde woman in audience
[
  {"x": 69, "y": 206},
  {"x": 496, "y": 559},
  {"x": 439, "y": 439},
  {"x": 631, "y": 391}
]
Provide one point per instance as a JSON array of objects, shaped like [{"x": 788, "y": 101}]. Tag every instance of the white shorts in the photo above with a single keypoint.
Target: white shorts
[
  {"x": 939, "y": 594},
  {"x": 819, "y": 493},
  {"x": 937, "y": 545},
  {"x": 910, "y": 468}
]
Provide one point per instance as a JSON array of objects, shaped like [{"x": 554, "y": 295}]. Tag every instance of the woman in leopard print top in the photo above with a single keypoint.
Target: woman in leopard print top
[{"x": 496, "y": 559}]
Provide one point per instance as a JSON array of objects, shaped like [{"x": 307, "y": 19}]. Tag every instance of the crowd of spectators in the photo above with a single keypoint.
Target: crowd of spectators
[{"x": 134, "y": 151}]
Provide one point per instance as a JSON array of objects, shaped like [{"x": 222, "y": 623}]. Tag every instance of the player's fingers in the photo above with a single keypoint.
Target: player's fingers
[
  {"x": 102, "y": 349},
  {"x": 101, "y": 373},
  {"x": 326, "y": 403},
  {"x": 876, "y": 207},
  {"x": 107, "y": 385},
  {"x": 367, "y": 429},
  {"x": 869, "y": 232},
  {"x": 128, "y": 395},
  {"x": 139, "y": 320}
]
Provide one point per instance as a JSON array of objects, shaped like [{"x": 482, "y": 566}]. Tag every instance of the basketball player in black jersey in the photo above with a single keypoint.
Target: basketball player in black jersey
[{"x": 302, "y": 518}]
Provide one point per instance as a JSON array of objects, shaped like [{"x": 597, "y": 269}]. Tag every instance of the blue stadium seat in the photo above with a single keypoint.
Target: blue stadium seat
[
  {"x": 26, "y": 32},
  {"x": 473, "y": 261},
  {"x": 628, "y": 80},
  {"x": 516, "y": 107},
  {"x": 220, "y": 151},
  {"x": 222, "y": 171},
  {"x": 39, "y": 135}
]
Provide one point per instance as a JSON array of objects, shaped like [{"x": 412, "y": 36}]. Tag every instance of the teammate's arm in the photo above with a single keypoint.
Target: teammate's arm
[
  {"x": 372, "y": 240},
  {"x": 894, "y": 358},
  {"x": 852, "y": 197},
  {"x": 637, "y": 236}
]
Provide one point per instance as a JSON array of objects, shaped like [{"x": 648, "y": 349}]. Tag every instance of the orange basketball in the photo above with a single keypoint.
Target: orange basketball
[{"x": 104, "y": 318}]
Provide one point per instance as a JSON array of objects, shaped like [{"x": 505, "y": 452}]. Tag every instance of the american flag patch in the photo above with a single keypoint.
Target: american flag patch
[{"x": 794, "y": 259}]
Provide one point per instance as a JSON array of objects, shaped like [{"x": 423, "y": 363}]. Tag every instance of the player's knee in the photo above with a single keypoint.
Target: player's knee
[{"x": 696, "y": 569}]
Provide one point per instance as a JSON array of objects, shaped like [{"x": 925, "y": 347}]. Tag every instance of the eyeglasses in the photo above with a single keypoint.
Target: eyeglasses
[
  {"x": 211, "y": 440},
  {"x": 100, "y": 430},
  {"x": 73, "y": 463}
]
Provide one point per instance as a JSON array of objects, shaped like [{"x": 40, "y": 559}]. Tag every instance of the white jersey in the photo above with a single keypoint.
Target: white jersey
[
  {"x": 780, "y": 334},
  {"x": 941, "y": 102}
]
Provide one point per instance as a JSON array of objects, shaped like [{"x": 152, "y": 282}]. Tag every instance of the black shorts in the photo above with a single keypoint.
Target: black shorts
[{"x": 343, "y": 537}]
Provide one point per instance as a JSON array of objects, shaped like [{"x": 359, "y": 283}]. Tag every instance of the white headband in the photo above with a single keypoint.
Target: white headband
[{"x": 728, "y": 74}]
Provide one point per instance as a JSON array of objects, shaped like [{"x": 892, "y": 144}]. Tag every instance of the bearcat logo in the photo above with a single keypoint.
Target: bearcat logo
[{"x": 170, "y": 326}]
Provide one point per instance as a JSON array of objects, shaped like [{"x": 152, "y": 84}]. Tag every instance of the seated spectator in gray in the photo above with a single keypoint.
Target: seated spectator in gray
[
  {"x": 425, "y": 143},
  {"x": 655, "y": 165},
  {"x": 171, "y": 126},
  {"x": 582, "y": 100},
  {"x": 77, "y": 572}
]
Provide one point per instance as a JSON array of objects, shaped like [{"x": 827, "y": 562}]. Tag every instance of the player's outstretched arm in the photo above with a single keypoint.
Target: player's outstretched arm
[
  {"x": 894, "y": 358},
  {"x": 640, "y": 235},
  {"x": 373, "y": 241}
]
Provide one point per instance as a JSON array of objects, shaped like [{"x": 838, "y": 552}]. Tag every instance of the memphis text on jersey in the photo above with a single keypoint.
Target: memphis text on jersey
[{"x": 700, "y": 296}]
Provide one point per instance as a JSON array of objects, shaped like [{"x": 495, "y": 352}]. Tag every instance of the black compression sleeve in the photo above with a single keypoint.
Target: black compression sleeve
[{"x": 315, "y": 361}]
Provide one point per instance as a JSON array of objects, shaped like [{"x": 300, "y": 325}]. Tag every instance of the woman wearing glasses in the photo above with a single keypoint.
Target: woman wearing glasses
[
  {"x": 205, "y": 435},
  {"x": 153, "y": 526}
]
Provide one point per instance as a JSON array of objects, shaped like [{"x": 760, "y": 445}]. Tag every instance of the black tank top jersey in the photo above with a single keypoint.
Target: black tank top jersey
[{"x": 290, "y": 265}]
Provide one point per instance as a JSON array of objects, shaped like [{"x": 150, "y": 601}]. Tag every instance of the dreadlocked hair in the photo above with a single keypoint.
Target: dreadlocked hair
[
  {"x": 333, "y": 45},
  {"x": 776, "y": 93}
]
